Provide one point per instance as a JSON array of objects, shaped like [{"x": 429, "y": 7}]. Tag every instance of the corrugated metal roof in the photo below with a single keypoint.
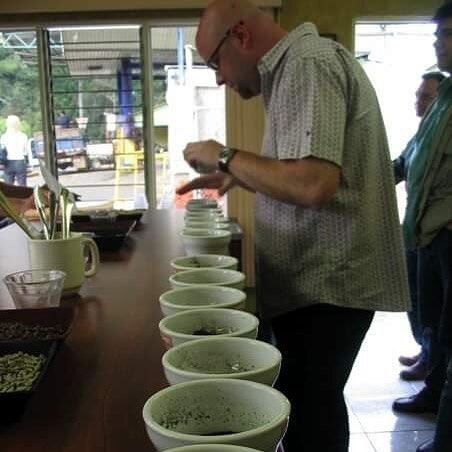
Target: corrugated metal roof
[{"x": 98, "y": 51}]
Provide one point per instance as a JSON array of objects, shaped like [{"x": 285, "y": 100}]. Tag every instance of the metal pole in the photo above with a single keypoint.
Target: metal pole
[
  {"x": 45, "y": 89},
  {"x": 80, "y": 99},
  {"x": 148, "y": 119},
  {"x": 180, "y": 54}
]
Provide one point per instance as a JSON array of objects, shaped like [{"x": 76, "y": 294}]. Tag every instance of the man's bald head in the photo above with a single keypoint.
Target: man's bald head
[
  {"x": 218, "y": 17},
  {"x": 232, "y": 37}
]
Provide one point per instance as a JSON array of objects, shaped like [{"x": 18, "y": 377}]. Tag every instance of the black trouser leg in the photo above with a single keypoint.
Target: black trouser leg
[
  {"x": 319, "y": 345},
  {"x": 433, "y": 280},
  {"x": 443, "y": 432}
]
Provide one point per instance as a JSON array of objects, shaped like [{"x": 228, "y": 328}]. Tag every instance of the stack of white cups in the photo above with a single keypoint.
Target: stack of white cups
[{"x": 221, "y": 397}]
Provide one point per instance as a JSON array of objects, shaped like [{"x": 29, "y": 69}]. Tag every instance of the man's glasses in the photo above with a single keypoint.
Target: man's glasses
[
  {"x": 213, "y": 62},
  {"x": 444, "y": 33}
]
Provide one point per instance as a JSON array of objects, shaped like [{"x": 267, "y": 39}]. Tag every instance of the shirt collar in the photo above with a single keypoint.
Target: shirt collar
[
  {"x": 445, "y": 85},
  {"x": 270, "y": 60}
]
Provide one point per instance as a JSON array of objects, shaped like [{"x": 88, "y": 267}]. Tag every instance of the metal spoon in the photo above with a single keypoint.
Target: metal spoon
[
  {"x": 41, "y": 208},
  {"x": 66, "y": 205},
  {"x": 53, "y": 213}
]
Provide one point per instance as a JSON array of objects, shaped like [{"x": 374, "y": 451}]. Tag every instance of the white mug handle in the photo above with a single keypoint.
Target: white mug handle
[{"x": 94, "y": 255}]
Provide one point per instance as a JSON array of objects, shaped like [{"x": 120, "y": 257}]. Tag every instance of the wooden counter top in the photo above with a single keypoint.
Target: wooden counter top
[{"x": 92, "y": 395}]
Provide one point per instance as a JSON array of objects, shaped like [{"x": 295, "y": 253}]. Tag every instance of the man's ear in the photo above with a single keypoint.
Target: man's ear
[{"x": 242, "y": 33}]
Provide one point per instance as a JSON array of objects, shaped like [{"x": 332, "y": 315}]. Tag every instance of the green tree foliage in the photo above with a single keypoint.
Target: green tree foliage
[
  {"x": 64, "y": 90},
  {"x": 19, "y": 91}
]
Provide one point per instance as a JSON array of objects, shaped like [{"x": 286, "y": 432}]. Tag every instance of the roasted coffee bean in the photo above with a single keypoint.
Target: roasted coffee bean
[{"x": 15, "y": 331}]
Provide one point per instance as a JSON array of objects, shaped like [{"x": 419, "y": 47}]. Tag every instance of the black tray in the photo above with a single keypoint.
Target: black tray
[
  {"x": 108, "y": 232},
  {"x": 13, "y": 403},
  {"x": 62, "y": 315},
  {"x": 134, "y": 215}
]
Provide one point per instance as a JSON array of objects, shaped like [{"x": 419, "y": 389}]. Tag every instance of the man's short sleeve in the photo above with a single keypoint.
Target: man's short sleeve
[{"x": 313, "y": 111}]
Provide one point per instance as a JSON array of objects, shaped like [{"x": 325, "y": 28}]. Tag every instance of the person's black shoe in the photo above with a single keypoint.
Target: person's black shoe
[
  {"x": 417, "y": 371},
  {"x": 425, "y": 447},
  {"x": 422, "y": 402},
  {"x": 409, "y": 360}
]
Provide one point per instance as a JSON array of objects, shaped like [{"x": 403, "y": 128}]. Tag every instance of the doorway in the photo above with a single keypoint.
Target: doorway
[{"x": 394, "y": 56}]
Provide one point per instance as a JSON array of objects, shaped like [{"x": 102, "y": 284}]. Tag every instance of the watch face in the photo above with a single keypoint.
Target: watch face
[
  {"x": 224, "y": 154},
  {"x": 224, "y": 157}
]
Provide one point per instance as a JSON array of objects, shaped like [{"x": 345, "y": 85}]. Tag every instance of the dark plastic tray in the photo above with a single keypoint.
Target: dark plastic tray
[
  {"x": 63, "y": 315},
  {"x": 133, "y": 215},
  {"x": 13, "y": 403},
  {"x": 109, "y": 233}
]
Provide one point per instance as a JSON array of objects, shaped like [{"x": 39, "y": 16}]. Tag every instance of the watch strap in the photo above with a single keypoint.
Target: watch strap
[{"x": 224, "y": 157}]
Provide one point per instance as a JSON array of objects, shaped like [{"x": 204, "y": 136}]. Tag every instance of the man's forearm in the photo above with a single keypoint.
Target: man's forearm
[{"x": 309, "y": 182}]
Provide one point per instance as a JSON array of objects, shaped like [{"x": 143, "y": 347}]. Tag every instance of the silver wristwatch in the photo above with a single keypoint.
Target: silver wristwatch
[{"x": 224, "y": 157}]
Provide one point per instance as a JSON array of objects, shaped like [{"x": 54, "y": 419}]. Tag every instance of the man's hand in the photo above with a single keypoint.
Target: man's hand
[
  {"x": 217, "y": 180},
  {"x": 202, "y": 156}
]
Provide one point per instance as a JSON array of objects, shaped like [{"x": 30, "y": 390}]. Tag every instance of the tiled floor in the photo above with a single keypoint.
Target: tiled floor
[{"x": 375, "y": 383}]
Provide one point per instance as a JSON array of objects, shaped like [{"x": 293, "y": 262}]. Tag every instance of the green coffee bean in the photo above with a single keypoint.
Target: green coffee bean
[{"x": 19, "y": 371}]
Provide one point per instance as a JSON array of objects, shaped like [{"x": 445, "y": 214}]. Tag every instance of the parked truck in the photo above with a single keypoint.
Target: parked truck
[{"x": 70, "y": 146}]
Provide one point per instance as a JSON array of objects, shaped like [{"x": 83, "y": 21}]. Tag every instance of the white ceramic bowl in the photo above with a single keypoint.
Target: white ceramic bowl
[
  {"x": 199, "y": 323},
  {"x": 209, "y": 219},
  {"x": 212, "y": 448},
  {"x": 206, "y": 241},
  {"x": 203, "y": 214},
  {"x": 193, "y": 230},
  {"x": 208, "y": 276},
  {"x": 200, "y": 224},
  {"x": 224, "y": 411},
  {"x": 202, "y": 202},
  {"x": 204, "y": 261},
  {"x": 222, "y": 357},
  {"x": 203, "y": 208},
  {"x": 201, "y": 297}
]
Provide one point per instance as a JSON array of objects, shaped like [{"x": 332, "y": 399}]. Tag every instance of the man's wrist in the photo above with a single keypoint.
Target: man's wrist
[{"x": 225, "y": 156}]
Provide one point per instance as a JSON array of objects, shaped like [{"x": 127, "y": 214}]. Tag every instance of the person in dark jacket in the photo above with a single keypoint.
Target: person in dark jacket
[
  {"x": 418, "y": 364},
  {"x": 427, "y": 227}
]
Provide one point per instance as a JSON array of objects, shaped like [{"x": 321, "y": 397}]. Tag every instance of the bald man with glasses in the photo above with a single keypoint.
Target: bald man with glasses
[{"x": 328, "y": 242}]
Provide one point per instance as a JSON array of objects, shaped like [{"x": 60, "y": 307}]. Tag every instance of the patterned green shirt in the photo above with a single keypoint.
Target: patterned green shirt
[
  {"x": 429, "y": 173},
  {"x": 348, "y": 252},
  {"x": 417, "y": 165}
]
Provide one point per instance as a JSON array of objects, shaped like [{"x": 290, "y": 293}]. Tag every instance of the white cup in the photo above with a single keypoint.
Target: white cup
[
  {"x": 224, "y": 411},
  {"x": 67, "y": 255},
  {"x": 182, "y": 263},
  {"x": 206, "y": 241},
  {"x": 201, "y": 297},
  {"x": 222, "y": 357},
  {"x": 212, "y": 448},
  {"x": 199, "y": 204},
  {"x": 200, "y": 224},
  {"x": 199, "y": 323},
  {"x": 209, "y": 276}
]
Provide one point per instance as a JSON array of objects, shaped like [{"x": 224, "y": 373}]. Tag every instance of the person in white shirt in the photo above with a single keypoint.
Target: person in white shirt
[{"x": 16, "y": 144}]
